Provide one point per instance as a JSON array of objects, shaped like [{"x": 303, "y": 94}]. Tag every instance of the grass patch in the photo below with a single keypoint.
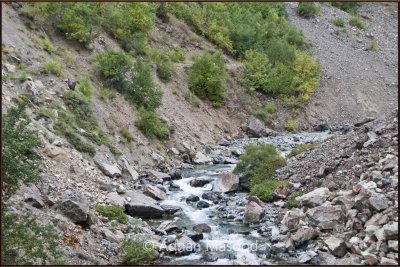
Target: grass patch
[
  {"x": 135, "y": 252},
  {"x": 308, "y": 9},
  {"x": 113, "y": 212},
  {"x": 291, "y": 201},
  {"x": 52, "y": 67},
  {"x": 357, "y": 22},
  {"x": 23, "y": 77},
  {"x": 301, "y": 148},
  {"x": 151, "y": 125},
  {"x": 264, "y": 112},
  {"x": 373, "y": 46},
  {"x": 126, "y": 136},
  {"x": 349, "y": 7},
  {"x": 192, "y": 99},
  {"x": 47, "y": 45},
  {"x": 338, "y": 22},
  {"x": 291, "y": 126},
  {"x": 265, "y": 190},
  {"x": 106, "y": 93},
  {"x": 85, "y": 87}
]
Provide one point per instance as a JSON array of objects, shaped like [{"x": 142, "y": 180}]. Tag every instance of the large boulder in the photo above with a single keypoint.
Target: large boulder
[
  {"x": 142, "y": 206},
  {"x": 127, "y": 171},
  {"x": 202, "y": 228},
  {"x": 199, "y": 182},
  {"x": 226, "y": 182},
  {"x": 160, "y": 175},
  {"x": 336, "y": 246},
  {"x": 185, "y": 245},
  {"x": 256, "y": 128},
  {"x": 293, "y": 218},
  {"x": 32, "y": 195},
  {"x": 303, "y": 235},
  {"x": 314, "y": 198},
  {"x": 252, "y": 212},
  {"x": 115, "y": 199},
  {"x": 200, "y": 158},
  {"x": 75, "y": 206},
  {"x": 104, "y": 161},
  {"x": 154, "y": 192},
  {"x": 327, "y": 217}
]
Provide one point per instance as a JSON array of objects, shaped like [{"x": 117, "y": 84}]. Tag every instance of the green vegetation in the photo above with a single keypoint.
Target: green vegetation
[
  {"x": 291, "y": 126},
  {"x": 23, "y": 77},
  {"x": 126, "y": 136},
  {"x": 113, "y": 212},
  {"x": 165, "y": 67},
  {"x": 373, "y": 46},
  {"x": 291, "y": 201},
  {"x": 192, "y": 99},
  {"x": 264, "y": 112},
  {"x": 207, "y": 78},
  {"x": 52, "y": 67},
  {"x": 308, "y": 9},
  {"x": 136, "y": 252},
  {"x": 47, "y": 45},
  {"x": 259, "y": 163},
  {"x": 177, "y": 54},
  {"x": 106, "y": 93},
  {"x": 301, "y": 148},
  {"x": 265, "y": 190},
  {"x": 162, "y": 13},
  {"x": 85, "y": 87},
  {"x": 357, "y": 22},
  {"x": 349, "y": 7},
  {"x": 21, "y": 164},
  {"x": 151, "y": 125},
  {"x": 338, "y": 22}
]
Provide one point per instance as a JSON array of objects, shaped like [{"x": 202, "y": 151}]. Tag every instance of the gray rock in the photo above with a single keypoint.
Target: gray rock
[
  {"x": 202, "y": 204},
  {"x": 292, "y": 219},
  {"x": 377, "y": 219},
  {"x": 199, "y": 182},
  {"x": 154, "y": 192},
  {"x": 195, "y": 236},
  {"x": 103, "y": 160},
  {"x": 209, "y": 257},
  {"x": 256, "y": 128},
  {"x": 142, "y": 206},
  {"x": 314, "y": 198},
  {"x": 75, "y": 206},
  {"x": 32, "y": 195},
  {"x": 200, "y": 158},
  {"x": 127, "y": 171},
  {"x": 110, "y": 236},
  {"x": 185, "y": 245},
  {"x": 327, "y": 217},
  {"x": 167, "y": 226},
  {"x": 160, "y": 175},
  {"x": 387, "y": 261},
  {"x": 379, "y": 202},
  {"x": 388, "y": 232},
  {"x": 252, "y": 212},
  {"x": 393, "y": 245},
  {"x": 226, "y": 182},
  {"x": 306, "y": 256},
  {"x": 370, "y": 259},
  {"x": 115, "y": 199},
  {"x": 303, "y": 235},
  {"x": 336, "y": 246},
  {"x": 202, "y": 228},
  {"x": 278, "y": 248},
  {"x": 170, "y": 209}
]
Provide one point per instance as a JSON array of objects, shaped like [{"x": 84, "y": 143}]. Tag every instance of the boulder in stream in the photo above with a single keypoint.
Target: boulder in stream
[
  {"x": 142, "y": 206},
  {"x": 252, "y": 212},
  {"x": 226, "y": 182}
]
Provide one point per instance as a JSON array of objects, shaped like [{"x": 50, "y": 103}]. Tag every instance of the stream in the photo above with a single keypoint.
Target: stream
[{"x": 230, "y": 241}]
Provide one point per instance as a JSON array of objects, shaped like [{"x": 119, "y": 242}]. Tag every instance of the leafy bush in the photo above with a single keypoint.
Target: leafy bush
[
  {"x": 162, "y": 12},
  {"x": 113, "y": 212},
  {"x": 151, "y": 125},
  {"x": 308, "y": 9},
  {"x": 85, "y": 87},
  {"x": 207, "y": 77},
  {"x": 165, "y": 67},
  {"x": 300, "y": 149},
  {"x": 291, "y": 201},
  {"x": 20, "y": 162},
  {"x": 265, "y": 190},
  {"x": 291, "y": 126},
  {"x": 266, "y": 110},
  {"x": 141, "y": 89},
  {"x": 259, "y": 163},
  {"x": 177, "y": 54},
  {"x": 114, "y": 67},
  {"x": 52, "y": 67},
  {"x": 349, "y": 7},
  {"x": 357, "y": 22},
  {"x": 338, "y": 22},
  {"x": 136, "y": 252}
]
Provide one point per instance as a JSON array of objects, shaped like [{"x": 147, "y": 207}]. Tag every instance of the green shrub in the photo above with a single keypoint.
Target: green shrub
[
  {"x": 23, "y": 77},
  {"x": 300, "y": 149},
  {"x": 126, "y": 136},
  {"x": 136, "y": 252},
  {"x": 113, "y": 212},
  {"x": 357, "y": 22},
  {"x": 47, "y": 45},
  {"x": 162, "y": 12},
  {"x": 82, "y": 110},
  {"x": 165, "y": 67},
  {"x": 78, "y": 143},
  {"x": 20, "y": 162},
  {"x": 265, "y": 190},
  {"x": 266, "y": 110},
  {"x": 338, "y": 22},
  {"x": 291, "y": 201},
  {"x": 69, "y": 58},
  {"x": 151, "y": 125},
  {"x": 207, "y": 77},
  {"x": 373, "y": 46},
  {"x": 291, "y": 126},
  {"x": 52, "y": 67},
  {"x": 85, "y": 87},
  {"x": 259, "y": 163},
  {"x": 177, "y": 54},
  {"x": 349, "y": 7},
  {"x": 141, "y": 89},
  {"x": 114, "y": 67},
  {"x": 308, "y": 9}
]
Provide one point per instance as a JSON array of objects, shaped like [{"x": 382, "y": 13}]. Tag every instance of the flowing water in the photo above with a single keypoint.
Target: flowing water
[{"x": 232, "y": 241}]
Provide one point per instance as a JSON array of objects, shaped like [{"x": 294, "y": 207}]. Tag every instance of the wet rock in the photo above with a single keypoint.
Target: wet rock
[
  {"x": 209, "y": 257},
  {"x": 292, "y": 219},
  {"x": 379, "y": 202},
  {"x": 167, "y": 226},
  {"x": 104, "y": 162},
  {"x": 202, "y": 204},
  {"x": 176, "y": 174},
  {"x": 256, "y": 128},
  {"x": 202, "y": 228},
  {"x": 185, "y": 245},
  {"x": 75, "y": 206},
  {"x": 192, "y": 198},
  {"x": 278, "y": 248},
  {"x": 154, "y": 192},
  {"x": 322, "y": 127},
  {"x": 252, "y": 212},
  {"x": 142, "y": 206},
  {"x": 199, "y": 182},
  {"x": 336, "y": 246},
  {"x": 170, "y": 209},
  {"x": 173, "y": 186},
  {"x": 327, "y": 217},
  {"x": 195, "y": 236},
  {"x": 160, "y": 175},
  {"x": 226, "y": 182},
  {"x": 200, "y": 158},
  {"x": 303, "y": 235},
  {"x": 314, "y": 198},
  {"x": 32, "y": 195}
]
